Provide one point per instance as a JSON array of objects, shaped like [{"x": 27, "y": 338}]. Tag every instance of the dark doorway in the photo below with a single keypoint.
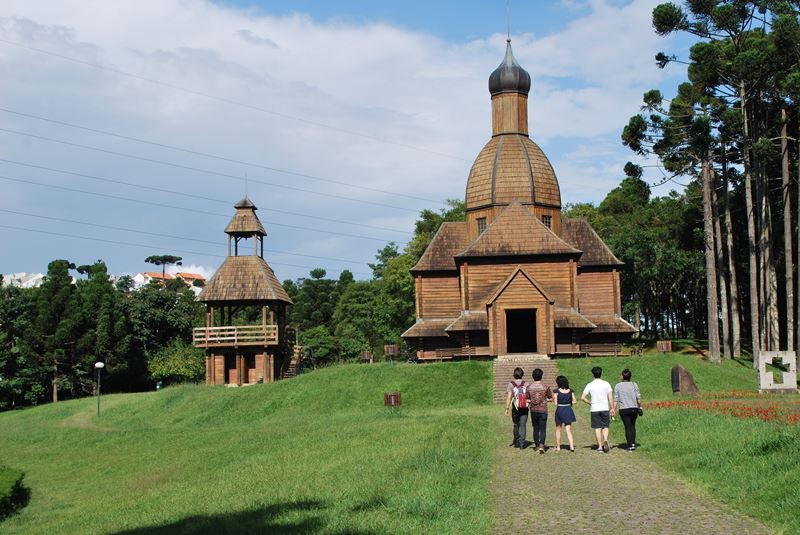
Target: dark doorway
[
  {"x": 231, "y": 373},
  {"x": 521, "y": 331}
]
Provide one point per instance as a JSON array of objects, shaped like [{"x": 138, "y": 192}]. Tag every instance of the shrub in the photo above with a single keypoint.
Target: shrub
[
  {"x": 177, "y": 362},
  {"x": 13, "y": 494}
]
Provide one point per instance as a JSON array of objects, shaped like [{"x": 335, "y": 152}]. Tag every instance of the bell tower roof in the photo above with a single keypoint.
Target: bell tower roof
[{"x": 245, "y": 222}]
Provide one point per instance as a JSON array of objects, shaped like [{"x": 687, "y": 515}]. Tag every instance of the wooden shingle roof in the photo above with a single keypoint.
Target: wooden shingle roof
[
  {"x": 244, "y": 278},
  {"x": 469, "y": 321},
  {"x": 449, "y": 240},
  {"x": 428, "y": 327},
  {"x": 609, "y": 323},
  {"x": 245, "y": 222},
  {"x": 567, "y": 318},
  {"x": 516, "y": 231},
  {"x": 580, "y": 234},
  {"x": 509, "y": 168}
]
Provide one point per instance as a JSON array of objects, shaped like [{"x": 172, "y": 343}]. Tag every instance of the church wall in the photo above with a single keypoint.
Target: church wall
[
  {"x": 521, "y": 294},
  {"x": 439, "y": 296},
  {"x": 554, "y": 276},
  {"x": 491, "y": 213},
  {"x": 598, "y": 291}
]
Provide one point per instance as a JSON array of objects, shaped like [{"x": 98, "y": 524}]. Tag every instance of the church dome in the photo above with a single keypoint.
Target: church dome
[
  {"x": 509, "y": 77},
  {"x": 511, "y": 168}
]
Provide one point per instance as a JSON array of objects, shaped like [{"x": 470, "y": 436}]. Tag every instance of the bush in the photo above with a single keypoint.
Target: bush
[
  {"x": 13, "y": 494},
  {"x": 177, "y": 362}
]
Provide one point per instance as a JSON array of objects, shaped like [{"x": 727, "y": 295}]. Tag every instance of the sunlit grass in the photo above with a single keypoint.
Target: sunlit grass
[{"x": 316, "y": 454}]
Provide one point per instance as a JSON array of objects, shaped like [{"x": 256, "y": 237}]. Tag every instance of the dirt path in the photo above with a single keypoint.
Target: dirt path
[{"x": 590, "y": 492}]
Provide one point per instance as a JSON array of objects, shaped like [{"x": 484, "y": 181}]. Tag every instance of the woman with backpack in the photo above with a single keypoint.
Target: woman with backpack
[{"x": 517, "y": 400}]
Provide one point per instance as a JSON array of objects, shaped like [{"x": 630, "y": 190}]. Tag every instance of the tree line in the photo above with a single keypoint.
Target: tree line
[
  {"x": 732, "y": 128},
  {"x": 51, "y": 336}
]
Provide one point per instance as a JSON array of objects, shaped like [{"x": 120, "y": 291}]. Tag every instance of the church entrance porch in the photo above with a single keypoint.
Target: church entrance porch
[{"x": 521, "y": 330}]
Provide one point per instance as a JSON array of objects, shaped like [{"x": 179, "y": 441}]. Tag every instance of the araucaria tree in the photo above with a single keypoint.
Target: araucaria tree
[{"x": 729, "y": 125}]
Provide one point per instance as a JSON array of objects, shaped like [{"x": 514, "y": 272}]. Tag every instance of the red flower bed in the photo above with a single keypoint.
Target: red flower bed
[{"x": 769, "y": 411}]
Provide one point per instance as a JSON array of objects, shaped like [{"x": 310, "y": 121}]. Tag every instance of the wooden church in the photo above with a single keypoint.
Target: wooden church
[
  {"x": 245, "y": 332},
  {"x": 515, "y": 277}
]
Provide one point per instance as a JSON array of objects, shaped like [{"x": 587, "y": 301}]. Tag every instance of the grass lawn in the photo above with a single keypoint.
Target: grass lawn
[
  {"x": 316, "y": 454},
  {"x": 652, "y": 372}
]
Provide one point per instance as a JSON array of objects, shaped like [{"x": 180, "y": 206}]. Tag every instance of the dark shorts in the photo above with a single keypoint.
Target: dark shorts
[{"x": 600, "y": 419}]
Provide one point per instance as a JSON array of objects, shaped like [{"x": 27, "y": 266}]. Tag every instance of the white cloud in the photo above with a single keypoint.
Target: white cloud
[{"x": 379, "y": 81}]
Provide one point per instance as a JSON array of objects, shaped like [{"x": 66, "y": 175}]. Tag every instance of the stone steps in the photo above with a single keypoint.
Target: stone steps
[{"x": 504, "y": 371}]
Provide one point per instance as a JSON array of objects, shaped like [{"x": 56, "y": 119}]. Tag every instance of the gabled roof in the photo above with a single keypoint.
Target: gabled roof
[
  {"x": 517, "y": 231},
  {"x": 448, "y": 240},
  {"x": 191, "y": 276},
  {"x": 502, "y": 286},
  {"x": 158, "y": 275},
  {"x": 580, "y": 234},
  {"x": 244, "y": 278}
]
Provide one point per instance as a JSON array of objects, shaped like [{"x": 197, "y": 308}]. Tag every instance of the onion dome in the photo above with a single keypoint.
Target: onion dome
[
  {"x": 511, "y": 168},
  {"x": 509, "y": 77}
]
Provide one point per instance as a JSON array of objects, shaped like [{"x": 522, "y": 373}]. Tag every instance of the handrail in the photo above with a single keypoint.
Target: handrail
[{"x": 235, "y": 335}]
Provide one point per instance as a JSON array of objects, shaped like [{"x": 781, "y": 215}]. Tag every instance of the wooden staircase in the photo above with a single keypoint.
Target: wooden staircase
[
  {"x": 290, "y": 370},
  {"x": 504, "y": 371}
]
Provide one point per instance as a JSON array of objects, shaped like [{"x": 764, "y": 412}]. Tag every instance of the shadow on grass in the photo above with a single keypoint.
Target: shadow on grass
[
  {"x": 264, "y": 520},
  {"x": 19, "y": 497}
]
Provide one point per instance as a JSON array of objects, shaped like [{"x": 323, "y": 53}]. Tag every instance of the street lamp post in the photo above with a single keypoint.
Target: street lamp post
[{"x": 98, "y": 366}]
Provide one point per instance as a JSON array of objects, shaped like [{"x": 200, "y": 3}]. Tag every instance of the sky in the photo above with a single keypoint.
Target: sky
[{"x": 130, "y": 128}]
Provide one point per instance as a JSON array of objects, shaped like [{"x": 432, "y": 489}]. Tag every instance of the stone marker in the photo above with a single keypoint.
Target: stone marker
[
  {"x": 766, "y": 379},
  {"x": 682, "y": 382}
]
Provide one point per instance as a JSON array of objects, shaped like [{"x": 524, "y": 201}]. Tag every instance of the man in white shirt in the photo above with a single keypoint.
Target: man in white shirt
[{"x": 598, "y": 394}]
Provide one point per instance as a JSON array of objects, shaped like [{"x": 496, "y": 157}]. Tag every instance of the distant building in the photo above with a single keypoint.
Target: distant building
[
  {"x": 190, "y": 278},
  {"x": 23, "y": 280},
  {"x": 141, "y": 279}
]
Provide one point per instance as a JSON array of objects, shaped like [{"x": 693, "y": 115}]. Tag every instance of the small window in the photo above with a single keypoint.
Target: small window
[
  {"x": 481, "y": 224},
  {"x": 547, "y": 220}
]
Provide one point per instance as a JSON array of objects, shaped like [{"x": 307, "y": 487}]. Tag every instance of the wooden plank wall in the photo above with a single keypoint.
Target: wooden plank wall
[
  {"x": 598, "y": 292},
  {"x": 553, "y": 276},
  {"x": 438, "y": 296},
  {"x": 521, "y": 294},
  {"x": 509, "y": 113}
]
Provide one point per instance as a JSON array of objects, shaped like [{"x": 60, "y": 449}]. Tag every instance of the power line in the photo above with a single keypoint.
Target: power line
[
  {"x": 162, "y": 235},
  {"x": 214, "y": 156},
  {"x": 199, "y": 169},
  {"x": 227, "y": 100},
  {"x": 152, "y": 247},
  {"x": 173, "y": 207},
  {"x": 191, "y": 195}
]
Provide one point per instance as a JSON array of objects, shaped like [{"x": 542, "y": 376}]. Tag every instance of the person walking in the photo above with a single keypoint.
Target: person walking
[
  {"x": 564, "y": 399},
  {"x": 540, "y": 394},
  {"x": 597, "y": 394},
  {"x": 628, "y": 402},
  {"x": 518, "y": 399}
]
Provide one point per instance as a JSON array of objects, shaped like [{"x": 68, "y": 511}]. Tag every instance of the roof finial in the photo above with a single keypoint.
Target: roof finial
[
  {"x": 245, "y": 186},
  {"x": 508, "y": 24}
]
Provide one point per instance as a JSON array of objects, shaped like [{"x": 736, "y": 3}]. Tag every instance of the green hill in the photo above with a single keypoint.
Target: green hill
[{"x": 316, "y": 454}]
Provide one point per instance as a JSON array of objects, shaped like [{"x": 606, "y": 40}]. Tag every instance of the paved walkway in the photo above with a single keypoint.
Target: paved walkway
[{"x": 556, "y": 492}]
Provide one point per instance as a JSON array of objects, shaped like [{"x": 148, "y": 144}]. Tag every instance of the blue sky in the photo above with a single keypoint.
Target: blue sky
[{"x": 347, "y": 118}]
